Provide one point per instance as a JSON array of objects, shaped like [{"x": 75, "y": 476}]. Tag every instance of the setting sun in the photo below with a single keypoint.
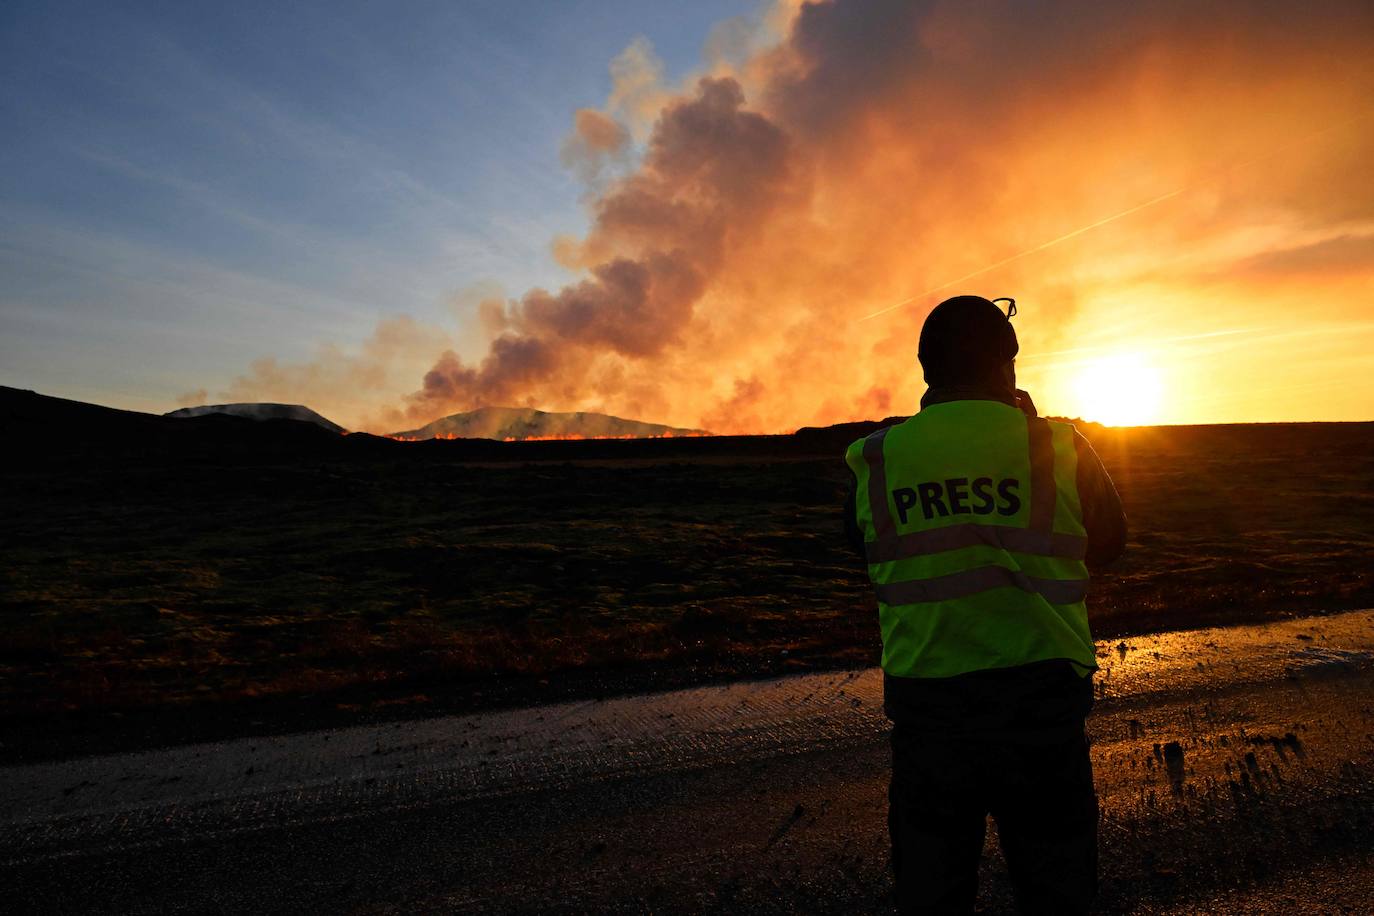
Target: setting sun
[{"x": 1122, "y": 389}]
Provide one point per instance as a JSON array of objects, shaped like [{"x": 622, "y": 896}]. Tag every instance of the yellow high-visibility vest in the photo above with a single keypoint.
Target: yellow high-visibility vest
[{"x": 975, "y": 540}]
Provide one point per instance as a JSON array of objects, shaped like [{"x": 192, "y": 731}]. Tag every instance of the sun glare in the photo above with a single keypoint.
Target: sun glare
[{"x": 1119, "y": 390}]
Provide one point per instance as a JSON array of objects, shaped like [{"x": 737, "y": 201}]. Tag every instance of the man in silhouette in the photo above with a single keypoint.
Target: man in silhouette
[{"x": 979, "y": 521}]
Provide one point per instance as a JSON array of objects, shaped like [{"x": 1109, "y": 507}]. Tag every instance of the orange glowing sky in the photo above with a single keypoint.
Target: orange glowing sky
[
  {"x": 1178, "y": 195},
  {"x": 1182, "y": 206}
]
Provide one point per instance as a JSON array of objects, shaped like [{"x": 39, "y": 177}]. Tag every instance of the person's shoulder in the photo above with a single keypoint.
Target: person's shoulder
[
  {"x": 882, "y": 428},
  {"x": 854, "y": 453},
  {"x": 1080, "y": 441}
]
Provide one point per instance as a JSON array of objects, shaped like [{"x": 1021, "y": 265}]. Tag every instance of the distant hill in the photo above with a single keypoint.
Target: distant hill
[
  {"x": 260, "y": 412},
  {"x": 40, "y": 431},
  {"x": 527, "y": 423}
]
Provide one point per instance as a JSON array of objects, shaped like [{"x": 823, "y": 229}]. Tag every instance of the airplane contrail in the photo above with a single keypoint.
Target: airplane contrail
[
  {"x": 1029, "y": 251},
  {"x": 1215, "y": 174},
  {"x": 1230, "y": 332}
]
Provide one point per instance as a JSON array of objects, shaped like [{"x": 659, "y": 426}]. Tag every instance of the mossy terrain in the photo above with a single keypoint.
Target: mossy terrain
[{"x": 146, "y": 600}]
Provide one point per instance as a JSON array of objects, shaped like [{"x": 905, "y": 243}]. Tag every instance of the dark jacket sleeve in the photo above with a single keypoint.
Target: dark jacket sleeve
[{"x": 1103, "y": 516}]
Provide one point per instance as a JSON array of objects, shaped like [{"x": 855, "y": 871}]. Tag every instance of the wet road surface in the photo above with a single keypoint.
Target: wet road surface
[{"x": 1235, "y": 769}]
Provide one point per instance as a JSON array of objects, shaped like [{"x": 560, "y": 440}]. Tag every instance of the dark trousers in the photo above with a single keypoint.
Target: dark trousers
[{"x": 1041, "y": 795}]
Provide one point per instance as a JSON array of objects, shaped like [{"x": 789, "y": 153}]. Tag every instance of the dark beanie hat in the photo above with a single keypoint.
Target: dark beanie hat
[{"x": 965, "y": 341}]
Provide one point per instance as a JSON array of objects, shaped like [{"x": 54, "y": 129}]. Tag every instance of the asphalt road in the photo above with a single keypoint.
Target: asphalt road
[{"x": 766, "y": 796}]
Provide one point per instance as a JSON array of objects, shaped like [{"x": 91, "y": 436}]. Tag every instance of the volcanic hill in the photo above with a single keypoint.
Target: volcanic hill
[
  {"x": 507, "y": 423},
  {"x": 260, "y": 412}
]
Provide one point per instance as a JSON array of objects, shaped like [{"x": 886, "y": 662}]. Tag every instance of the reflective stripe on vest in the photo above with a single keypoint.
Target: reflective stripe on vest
[
  {"x": 966, "y": 581},
  {"x": 980, "y": 579}
]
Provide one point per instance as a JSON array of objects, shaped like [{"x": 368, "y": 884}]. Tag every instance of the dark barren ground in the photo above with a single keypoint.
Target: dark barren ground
[
  {"x": 167, "y": 581},
  {"x": 1232, "y": 767}
]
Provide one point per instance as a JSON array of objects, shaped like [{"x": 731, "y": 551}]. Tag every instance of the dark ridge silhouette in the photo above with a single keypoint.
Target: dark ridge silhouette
[{"x": 47, "y": 429}]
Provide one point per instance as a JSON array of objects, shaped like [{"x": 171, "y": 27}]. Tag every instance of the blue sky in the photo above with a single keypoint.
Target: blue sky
[{"x": 186, "y": 187}]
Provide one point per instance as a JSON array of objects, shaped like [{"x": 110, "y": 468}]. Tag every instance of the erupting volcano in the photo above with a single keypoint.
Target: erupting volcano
[{"x": 524, "y": 423}]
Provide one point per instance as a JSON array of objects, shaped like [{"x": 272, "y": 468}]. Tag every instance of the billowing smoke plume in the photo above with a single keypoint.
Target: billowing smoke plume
[
  {"x": 713, "y": 174},
  {"x": 881, "y": 148}
]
